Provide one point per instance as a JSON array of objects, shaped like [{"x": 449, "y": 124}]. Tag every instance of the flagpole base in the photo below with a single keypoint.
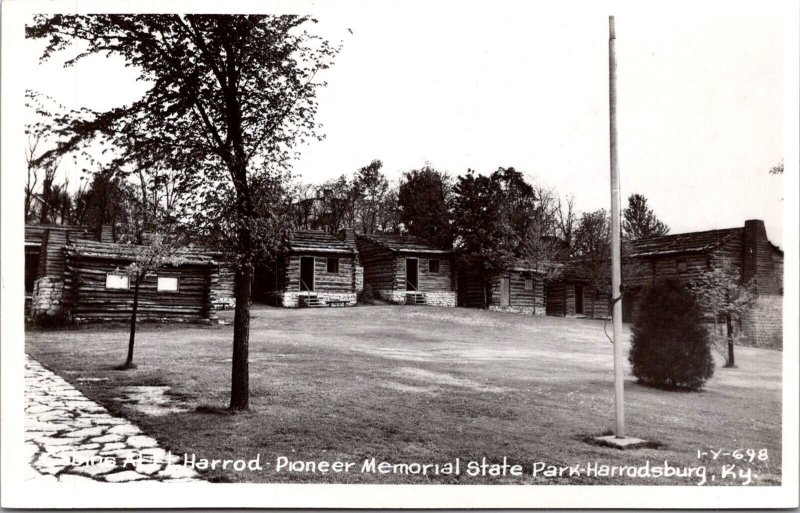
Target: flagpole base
[{"x": 626, "y": 442}]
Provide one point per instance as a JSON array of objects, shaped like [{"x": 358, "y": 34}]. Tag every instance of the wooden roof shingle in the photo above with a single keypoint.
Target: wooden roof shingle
[
  {"x": 128, "y": 252},
  {"x": 316, "y": 241},
  {"x": 405, "y": 243},
  {"x": 34, "y": 233},
  {"x": 682, "y": 242}
]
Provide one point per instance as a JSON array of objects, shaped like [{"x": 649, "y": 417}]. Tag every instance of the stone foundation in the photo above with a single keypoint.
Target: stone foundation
[
  {"x": 225, "y": 303},
  {"x": 763, "y": 325},
  {"x": 526, "y": 310},
  {"x": 358, "y": 278},
  {"x": 292, "y": 299},
  {"x": 447, "y": 299},
  {"x": 47, "y": 298}
]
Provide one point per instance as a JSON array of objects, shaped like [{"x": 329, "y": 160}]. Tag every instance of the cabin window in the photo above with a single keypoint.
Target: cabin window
[
  {"x": 433, "y": 266},
  {"x": 167, "y": 284},
  {"x": 117, "y": 281},
  {"x": 681, "y": 265},
  {"x": 528, "y": 284},
  {"x": 333, "y": 265}
]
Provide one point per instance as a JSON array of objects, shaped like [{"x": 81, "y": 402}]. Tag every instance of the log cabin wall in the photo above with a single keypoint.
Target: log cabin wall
[
  {"x": 222, "y": 287},
  {"x": 555, "y": 294},
  {"x": 339, "y": 282},
  {"x": 441, "y": 281},
  {"x": 560, "y": 300},
  {"x": 519, "y": 300},
  {"x": 92, "y": 301},
  {"x": 329, "y": 287},
  {"x": 379, "y": 267},
  {"x": 471, "y": 291}
]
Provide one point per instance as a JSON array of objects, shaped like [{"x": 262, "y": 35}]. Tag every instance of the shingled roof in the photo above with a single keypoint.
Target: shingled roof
[
  {"x": 693, "y": 242},
  {"x": 128, "y": 252},
  {"x": 405, "y": 243},
  {"x": 34, "y": 233},
  {"x": 315, "y": 241}
]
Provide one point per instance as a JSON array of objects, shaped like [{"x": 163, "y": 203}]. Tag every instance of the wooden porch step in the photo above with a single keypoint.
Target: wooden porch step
[
  {"x": 311, "y": 302},
  {"x": 416, "y": 298}
]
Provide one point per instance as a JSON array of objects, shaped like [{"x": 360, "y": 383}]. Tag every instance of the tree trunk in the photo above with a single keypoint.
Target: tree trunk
[
  {"x": 129, "y": 360},
  {"x": 242, "y": 283},
  {"x": 729, "y": 325},
  {"x": 240, "y": 372}
]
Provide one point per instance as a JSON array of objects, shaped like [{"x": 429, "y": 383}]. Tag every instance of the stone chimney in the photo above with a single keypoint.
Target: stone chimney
[
  {"x": 348, "y": 235},
  {"x": 757, "y": 264},
  {"x": 107, "y": 233}
]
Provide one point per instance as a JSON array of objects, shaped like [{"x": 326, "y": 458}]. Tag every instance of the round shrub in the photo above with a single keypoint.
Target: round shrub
[{"x": 670, "y": 346}]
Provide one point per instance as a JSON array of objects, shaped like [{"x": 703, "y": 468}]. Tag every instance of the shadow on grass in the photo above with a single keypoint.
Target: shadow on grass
[{"x": 211, "y": 409}]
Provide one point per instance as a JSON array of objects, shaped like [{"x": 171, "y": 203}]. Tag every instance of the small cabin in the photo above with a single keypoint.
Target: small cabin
[
  {"x": 71, "y": 277},
  {"x": 745, "y": 250},
  {"x": 98, "y": 288},
  {"x": 317, "y": 269},
  {"x": 573, "y": 295},
  {"x": 519, "y": 289},
  {"x": 407, "y": 270}
]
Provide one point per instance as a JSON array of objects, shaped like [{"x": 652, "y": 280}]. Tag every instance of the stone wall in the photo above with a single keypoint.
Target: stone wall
[
  {"x": 358, "y": 278},
  {"x": 763, "y": 326},
  {"x": 447, "y": 299},
  {"x": 527, "y": 310},
  {"x": 48, "y": 298},
  {"x": 292, "y": 299}
]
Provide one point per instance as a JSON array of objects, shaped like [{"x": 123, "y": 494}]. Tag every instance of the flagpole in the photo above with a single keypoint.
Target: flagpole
[{"x": 616, "y": 266}]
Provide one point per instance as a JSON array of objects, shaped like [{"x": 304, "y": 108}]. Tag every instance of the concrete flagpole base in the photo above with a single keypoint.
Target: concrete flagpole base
[{"x": 626, "y": 442}]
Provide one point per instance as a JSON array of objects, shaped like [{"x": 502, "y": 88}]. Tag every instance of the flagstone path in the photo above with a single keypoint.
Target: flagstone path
[{"x": 69, "y": 438}]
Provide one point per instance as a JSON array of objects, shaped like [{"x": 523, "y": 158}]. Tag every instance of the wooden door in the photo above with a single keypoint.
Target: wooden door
[
  {"x": 505, "y": 292},
  {"x": 578, "y": 299},
  {"x": 307, "y": 274},
  {"x": 412, "y": 274}
]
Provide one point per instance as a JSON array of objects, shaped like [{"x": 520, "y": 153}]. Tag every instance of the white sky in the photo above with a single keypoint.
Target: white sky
[{"x": 700, "y": 104}]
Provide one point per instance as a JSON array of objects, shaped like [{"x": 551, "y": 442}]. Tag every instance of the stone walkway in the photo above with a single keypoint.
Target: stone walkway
[{"x": 69, "y": 438}]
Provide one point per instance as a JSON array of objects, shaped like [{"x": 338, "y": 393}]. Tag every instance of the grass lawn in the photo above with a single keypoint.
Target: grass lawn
[{"x": 421, "y": 384}]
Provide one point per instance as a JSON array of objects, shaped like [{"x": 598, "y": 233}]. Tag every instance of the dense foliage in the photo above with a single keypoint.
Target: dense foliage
[
  {"x": 229, "y": 99},
  {"x": 670, "y": 346},
  {"x": 639, "y": 221}
]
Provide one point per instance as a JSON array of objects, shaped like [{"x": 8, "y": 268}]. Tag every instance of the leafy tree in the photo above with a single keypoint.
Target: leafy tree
[
  {"x": 669, "y": 346},
  {"x": 338, "y": 198},
  {"x": 777, "y": 169},
  {"x": 423, "y": 203},
  {"x": 108, "y": 200},
  {"x": 592, "y": 248},
  {"x": 639, "y": 221},
  {"x": 390, "y": 215},
  {"x": 500, "y": 221},
  {"x": 720, "y": 292},
  {"x": 370, "y": 187},
  {"x": 228, "y": 99},
  {"x": 159, "y": 252}
]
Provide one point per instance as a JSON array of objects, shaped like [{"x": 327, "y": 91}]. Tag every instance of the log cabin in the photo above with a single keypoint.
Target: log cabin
[
  {"x": 317, "y": 269},
  {"x": 80, "y": 279},
  {"x": 403, "y": 269},
  {"x": 684, "y": 256},
  {"x": 519, "y": 289},
  {"x": 574, "y": 295},
  {"x": 747, "y": 251}
]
